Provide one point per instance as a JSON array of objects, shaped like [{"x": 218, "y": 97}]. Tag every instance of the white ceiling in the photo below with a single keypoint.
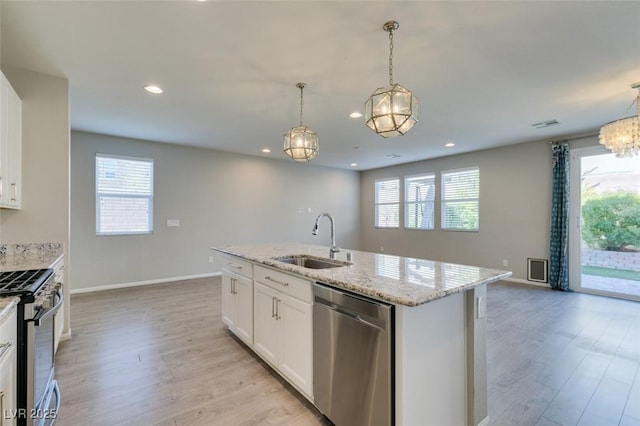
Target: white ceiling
[{"x": 483, "y": 71}]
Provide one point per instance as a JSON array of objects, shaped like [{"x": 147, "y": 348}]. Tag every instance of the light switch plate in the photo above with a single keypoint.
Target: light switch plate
[{"x": 173, "y": 222}]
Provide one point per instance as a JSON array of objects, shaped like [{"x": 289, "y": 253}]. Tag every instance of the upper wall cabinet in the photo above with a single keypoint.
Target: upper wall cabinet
[{"x": 10, "y": 146}]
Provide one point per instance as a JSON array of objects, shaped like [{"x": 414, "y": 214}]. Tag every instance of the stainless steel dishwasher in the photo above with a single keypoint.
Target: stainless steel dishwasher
[{"x": 352, "y": 358}]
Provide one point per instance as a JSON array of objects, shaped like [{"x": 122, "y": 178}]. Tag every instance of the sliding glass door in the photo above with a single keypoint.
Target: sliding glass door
[{"x": 604, "y": 251}]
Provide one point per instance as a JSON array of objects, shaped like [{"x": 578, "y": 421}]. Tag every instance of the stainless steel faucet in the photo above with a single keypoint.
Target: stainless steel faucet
[{"x": 333, "y": 249}]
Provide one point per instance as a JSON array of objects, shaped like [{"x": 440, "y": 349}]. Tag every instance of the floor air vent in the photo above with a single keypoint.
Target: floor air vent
[{"x": 537, "y": 270}]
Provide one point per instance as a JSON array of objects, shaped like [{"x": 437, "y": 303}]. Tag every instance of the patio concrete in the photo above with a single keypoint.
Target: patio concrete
[{"x": 613, "y": 285}]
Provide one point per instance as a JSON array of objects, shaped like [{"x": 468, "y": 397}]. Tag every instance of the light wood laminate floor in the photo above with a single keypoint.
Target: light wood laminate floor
[{"x": 159, "y": 355}]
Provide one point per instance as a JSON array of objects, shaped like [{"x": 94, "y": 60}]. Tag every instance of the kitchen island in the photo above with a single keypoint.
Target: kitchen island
[{"x": 439, "y": 326}]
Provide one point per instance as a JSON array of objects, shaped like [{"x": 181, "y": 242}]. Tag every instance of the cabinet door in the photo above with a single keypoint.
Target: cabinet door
[
  {"x": 10, "y": 145},
  {"x": 58, "y": 321},
  {"x": 4, "y": 142},
  {"x": 244, "y": 309},
  {"x": 229, "y": 305},
  {"x": 296, "y": 357},
  {"x": 8, "y": 385},
  {"x": 15, "y": 150},
  {"x": 266, "y": 332}
]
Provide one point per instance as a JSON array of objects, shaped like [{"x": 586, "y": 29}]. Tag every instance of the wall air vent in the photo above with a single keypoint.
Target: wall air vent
[
  {"x": 392, "y": 156},
  {"x": 537, "y": 270},
  {"x": 543, "y": 124}
]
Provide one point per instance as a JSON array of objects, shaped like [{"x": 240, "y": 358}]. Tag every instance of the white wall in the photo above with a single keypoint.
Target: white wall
[
  {"x": 219, "y": 198},
  {"x": 515, "y": 200}
]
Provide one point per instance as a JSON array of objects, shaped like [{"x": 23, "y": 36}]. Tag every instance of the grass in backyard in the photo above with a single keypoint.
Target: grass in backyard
[{"x": 611, "y": 273}]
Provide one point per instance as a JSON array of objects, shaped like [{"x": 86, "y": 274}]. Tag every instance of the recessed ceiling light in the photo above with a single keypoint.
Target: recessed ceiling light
[
  {"x": 449, "y": 144},
  {"x": 266, "y": 150},
  {"x": 153, "y": 89},
  {"x": 354, "y": 164},
  {"x": 355, "y": 114}
]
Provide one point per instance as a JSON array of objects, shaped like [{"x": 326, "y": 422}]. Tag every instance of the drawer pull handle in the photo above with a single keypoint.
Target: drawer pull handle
[
  {"x": 276, "y": 281},
  {"x": 234, "y": 266}
]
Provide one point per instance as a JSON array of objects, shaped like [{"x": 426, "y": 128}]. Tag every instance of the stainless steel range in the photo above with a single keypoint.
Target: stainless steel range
[{"x": 38, "y": 396}]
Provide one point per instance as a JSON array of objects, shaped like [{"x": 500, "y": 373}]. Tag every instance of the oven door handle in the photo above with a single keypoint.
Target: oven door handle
[
  {"x": 56, "y": 390},
  {"x": 43, "y": 315}
]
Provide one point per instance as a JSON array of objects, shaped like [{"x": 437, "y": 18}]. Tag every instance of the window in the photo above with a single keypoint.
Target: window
[
  {"x": 460, "y": 199},
  {"x": 388, "y": 203},
  {"x": 419, "y": 199},
  {"x": 124, "y": 195}
]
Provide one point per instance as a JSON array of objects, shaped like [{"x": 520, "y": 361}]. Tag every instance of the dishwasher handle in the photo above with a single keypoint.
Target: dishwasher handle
[{"x": 357, "y": 316}]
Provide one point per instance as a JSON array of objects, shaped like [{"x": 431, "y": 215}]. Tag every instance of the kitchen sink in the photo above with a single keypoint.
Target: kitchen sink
[{"x": 312, "y": 262}]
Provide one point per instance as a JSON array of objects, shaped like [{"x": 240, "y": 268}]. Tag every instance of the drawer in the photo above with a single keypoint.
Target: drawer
[
  {"x": 238, "y": 266},
  {"x": 294, "y": 286}
]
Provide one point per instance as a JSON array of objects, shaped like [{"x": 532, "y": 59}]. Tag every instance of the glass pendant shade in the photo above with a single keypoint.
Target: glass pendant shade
[
  {"x": 391, "y": 111},
  {"x": 301, "y": 143},
  {"x": 622, "y": 136}
]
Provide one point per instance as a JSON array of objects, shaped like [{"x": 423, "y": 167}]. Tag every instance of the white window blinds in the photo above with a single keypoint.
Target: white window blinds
[
  {"x": 419, "y": 199},
  {"x": 124, "y": 195},
  {"x": 461, "y": 199},
  {"x": 387, "y": 201}
]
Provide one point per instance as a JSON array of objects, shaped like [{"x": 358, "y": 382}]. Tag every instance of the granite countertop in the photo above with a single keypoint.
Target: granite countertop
[
  {"x": 22, "y": 257},
  {"x": 394, "y": 279}
]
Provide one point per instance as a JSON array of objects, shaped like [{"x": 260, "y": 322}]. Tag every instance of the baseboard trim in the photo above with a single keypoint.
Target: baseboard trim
[
  {"x": 141, "y": 283},
  {"x": 527, "y": 282}
]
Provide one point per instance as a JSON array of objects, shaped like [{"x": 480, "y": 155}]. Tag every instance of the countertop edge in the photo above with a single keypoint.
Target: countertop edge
[{"x": 380, "y": 295}]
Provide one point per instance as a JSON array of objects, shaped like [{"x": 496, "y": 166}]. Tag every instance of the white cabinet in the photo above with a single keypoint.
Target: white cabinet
[
  {"x": 58, "y": 277},
  {"x": 237, "y": 299},
  {"x": 10, "y": 146},
  {"x": 283, "y": 325},
  {"x": 267, "y": 331},
  {"x": 8, "y": 329}
]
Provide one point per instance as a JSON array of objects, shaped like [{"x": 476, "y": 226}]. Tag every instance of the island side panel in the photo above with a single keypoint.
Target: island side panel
[
  {"x": 431, "y": 363},
  {"x": 476, "y": 316}
]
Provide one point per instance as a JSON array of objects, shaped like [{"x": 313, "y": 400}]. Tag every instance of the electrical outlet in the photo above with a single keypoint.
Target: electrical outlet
[
  {"x": 505, "y": 262},
  {"x": 210, "y": 259}
]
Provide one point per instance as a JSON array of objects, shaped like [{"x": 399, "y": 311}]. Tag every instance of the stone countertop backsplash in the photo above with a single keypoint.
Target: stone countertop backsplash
[
  {"x": 395, "y": 279},
  {"x": 17, "y": 257}
]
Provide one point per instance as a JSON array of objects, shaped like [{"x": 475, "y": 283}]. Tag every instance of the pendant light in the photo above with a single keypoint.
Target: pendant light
[
  {"x": 301, "y": 143},
  {"x": 622, "y": 136},
  {"x": 392, "y": 110}
]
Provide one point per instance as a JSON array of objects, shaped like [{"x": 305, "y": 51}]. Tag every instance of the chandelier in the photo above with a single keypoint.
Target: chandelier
[
  {"x": 301, "y": 143},
  {"x": 622, "y": 136},
  {"x": 391, "y": 110}
]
